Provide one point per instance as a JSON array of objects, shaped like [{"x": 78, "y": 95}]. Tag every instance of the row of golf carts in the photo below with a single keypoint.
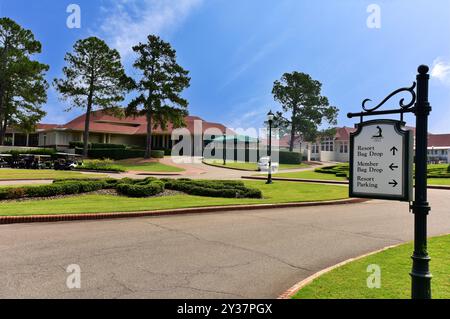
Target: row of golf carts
[{"x": 60, "y": 161}]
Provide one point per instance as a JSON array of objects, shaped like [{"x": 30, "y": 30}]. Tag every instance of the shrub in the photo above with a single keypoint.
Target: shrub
[
  {"x": 50, "y": 190},
  {"x": 167, "y": 151},
  {"x": 102, "y": 165},
  {"x": 39, "y": 151},
  {"x": 108, "y": 146},
  {"x": 76, "y": 144},
  {"x": 157, "y": 154},
  {"x": 340, "y": 170},
  {"x": 448, "y": 169},
  {"x": 290, "y": 157},
  {"x": 61, "y": 187},
  {"x": 141, "y": 190},
  {"x": 97, "y": 145},
  {"x": 115, "y": 154},
  {"x": 225, "y": 189},
  {"x": 86, "y": 187},
  {"x": 12, "y": 193}
]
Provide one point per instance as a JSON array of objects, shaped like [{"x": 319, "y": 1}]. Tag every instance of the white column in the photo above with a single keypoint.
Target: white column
[
  {"x": 13, "y": 139},
  {"x": 28, "y": 140}
]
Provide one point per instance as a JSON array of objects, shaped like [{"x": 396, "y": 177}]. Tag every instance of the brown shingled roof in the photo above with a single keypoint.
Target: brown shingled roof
[
  {"x": 439, "y": 140},
  {"x": 102, "y": 122}
]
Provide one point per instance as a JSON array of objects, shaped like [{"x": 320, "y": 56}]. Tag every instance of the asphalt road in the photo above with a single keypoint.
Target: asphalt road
[{"x": 255, "y": 254}]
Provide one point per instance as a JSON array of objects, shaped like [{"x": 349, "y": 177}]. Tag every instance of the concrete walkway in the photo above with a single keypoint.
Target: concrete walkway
[{"x": 255, "y": 254}]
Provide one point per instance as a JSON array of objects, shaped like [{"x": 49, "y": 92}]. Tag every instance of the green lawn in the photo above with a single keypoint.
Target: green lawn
[
  {"x": 252, "y": 166},
  {"x": 311, "y": 175},
  {"x": 439, "y": 181},
  {"x": 133, "y": 165},
  {"x": 24, "y": 174},
  {"x": 437, "y": 169},
  {"x": 279, "y": 192},
  {"x": 349, "y": 281}
]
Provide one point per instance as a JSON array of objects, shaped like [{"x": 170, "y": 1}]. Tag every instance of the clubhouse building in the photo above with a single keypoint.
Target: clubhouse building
[
  {"x": 131, "y": 131},
  {"x": 108, "y": 129}
]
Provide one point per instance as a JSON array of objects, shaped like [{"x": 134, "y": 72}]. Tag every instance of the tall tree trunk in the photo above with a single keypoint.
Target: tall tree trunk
[
  {"x": 293, "y": 129},
  {"x": 3, "y": 127},
  {"x": 3, "y": 118},
  {"x": 86, "y": 132},
  {"x": 148, "y": 146}
]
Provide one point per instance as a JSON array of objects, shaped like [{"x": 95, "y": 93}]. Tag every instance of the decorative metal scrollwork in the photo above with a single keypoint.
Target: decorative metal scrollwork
[{"x": 411, "y": 90}]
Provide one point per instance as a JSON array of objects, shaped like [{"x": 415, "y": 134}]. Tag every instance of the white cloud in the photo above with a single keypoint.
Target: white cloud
[
  {"x": 254, "y": 56},
  {"x": 125, "y": 23},
  {"x": 441, "y": 70}
]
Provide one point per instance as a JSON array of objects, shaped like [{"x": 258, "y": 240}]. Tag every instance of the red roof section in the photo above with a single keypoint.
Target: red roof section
[
  {"x": 343, "y": 133},
  {"x": 46, "y": 126},
  {"x": 439, "y": 140},
  {"x": 102, "y": 122}
]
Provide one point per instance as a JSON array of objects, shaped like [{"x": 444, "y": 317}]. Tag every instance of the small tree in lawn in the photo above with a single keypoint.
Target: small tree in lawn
[
  {"x": 300, "y": 96},
  {"x": 160, "y": 86},
  {"x": 94, "y": 79},
  {"x": 23, "y": 88}
]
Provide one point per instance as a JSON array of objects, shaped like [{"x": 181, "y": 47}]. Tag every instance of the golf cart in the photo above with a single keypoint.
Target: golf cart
[
  {"x": 263, "y": 165},
  {"x": 42, "y": 162},
  {"x": 67, "y": 162},
  {"x": 5, "y": 160},
  {"x": 24, "y": 161}
]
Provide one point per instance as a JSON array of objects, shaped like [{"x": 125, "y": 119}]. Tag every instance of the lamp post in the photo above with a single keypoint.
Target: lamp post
[
  {"x": 224, "y": 149},
  {"x": 270, "y": 120}
]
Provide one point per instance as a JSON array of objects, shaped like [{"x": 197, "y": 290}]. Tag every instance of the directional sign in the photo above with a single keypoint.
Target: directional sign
[{"x": 381, "y": 161}]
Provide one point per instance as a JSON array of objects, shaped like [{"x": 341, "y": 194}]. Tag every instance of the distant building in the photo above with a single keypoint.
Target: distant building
[
  {"x": 337, "y": 148},
  {"x": 104, "y": 128}
]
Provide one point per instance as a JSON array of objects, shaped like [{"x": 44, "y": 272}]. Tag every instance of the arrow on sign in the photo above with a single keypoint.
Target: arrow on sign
[
  {"x": 393, "y": 183},
  {"x": 393, "y": 150},
  {"x": 392, "y": 166}
]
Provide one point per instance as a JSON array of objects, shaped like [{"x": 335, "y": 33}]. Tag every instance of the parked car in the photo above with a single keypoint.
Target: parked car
[{"x": 263, "y": 165}]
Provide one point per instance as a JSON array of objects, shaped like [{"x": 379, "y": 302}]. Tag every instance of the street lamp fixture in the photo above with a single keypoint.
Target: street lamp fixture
[
  {"x": 270, "y": 117},
  {"x": 224, "y": 151}
]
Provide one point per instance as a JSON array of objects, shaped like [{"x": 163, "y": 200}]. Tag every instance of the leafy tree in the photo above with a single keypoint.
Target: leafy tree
[
  {"x": 159, "y": 88},
  {"x": 23, "y": 88},
  {"x": 94, "y": 79},
  {"x": 300, "y": 95}
]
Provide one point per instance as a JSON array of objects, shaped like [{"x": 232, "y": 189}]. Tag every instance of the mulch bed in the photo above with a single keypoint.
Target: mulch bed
[{"x": 112, "y": 192}]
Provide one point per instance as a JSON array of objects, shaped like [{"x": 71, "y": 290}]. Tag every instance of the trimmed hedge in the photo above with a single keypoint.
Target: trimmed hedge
[
  {"x": 290, "y": 157},
  {"x": 101, "y": 165},
  {"x": 136, "y": 190},
  {"x": 97, "y": 145},
  {"x": 340, "y": 170},
  {"x": 40, "y": 151},
  {"x": 157, "y": 154},
  {"x": 225, "y": 189},
  {"x": 115, "y": 154},
  {"x": 66, "y": 187}
]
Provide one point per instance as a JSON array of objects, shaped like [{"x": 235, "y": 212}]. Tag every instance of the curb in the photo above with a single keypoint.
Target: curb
[
  {"x": 288, "y": 294},
  {"x": 95, "y": 171},
  {"x": 184, "y": 211},
  {"x": 297, "y": 180},
  {"x": 232, "y": 168},
  {"x": 301, "y": 180},
  {"x": 155, "y": 173}
]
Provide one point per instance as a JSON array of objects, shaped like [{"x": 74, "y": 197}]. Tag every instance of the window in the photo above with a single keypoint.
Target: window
[
  {"x": 315, "y": 149},
  {"x": 344, "y": 147},
  {"x": 327, "y": 145}
]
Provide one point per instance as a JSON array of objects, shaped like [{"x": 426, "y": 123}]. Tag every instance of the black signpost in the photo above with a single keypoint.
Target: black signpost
[{"x": 420, "y": 106}]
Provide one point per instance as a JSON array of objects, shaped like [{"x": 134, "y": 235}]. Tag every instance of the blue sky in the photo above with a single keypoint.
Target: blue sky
[{"x": 235, "y": 50}]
